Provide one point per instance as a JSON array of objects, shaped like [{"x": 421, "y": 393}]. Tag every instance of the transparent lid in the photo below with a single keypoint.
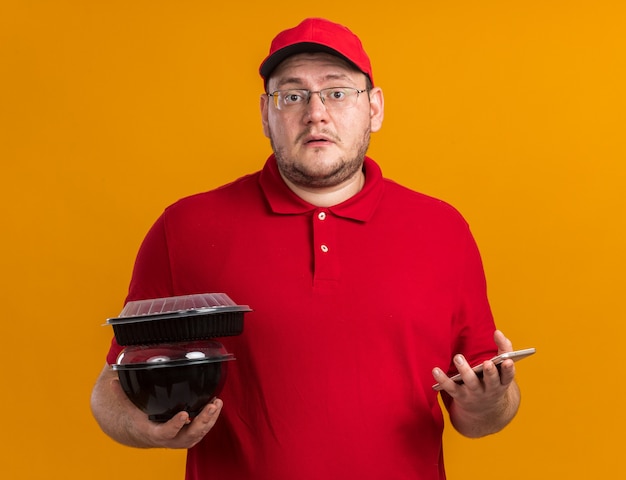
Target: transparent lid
[
  {"x": 201, "y": 302},
  {"x": 201, "y": 351}
]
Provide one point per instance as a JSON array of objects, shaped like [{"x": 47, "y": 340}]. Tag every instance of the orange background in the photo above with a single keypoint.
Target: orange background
[{"x": 512, "y": 111}]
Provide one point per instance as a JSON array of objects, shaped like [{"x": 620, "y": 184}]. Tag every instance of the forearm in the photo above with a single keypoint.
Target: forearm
[
  {"x": 115, "y": 413},
  {"x": 476, "y": 423}
]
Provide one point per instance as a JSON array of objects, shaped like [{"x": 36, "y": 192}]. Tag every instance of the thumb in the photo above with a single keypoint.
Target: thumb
[{"x": 504, "y": 344}]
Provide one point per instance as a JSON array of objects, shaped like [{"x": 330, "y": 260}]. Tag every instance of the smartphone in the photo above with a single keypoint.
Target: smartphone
[{"x": 497, "y": 360}]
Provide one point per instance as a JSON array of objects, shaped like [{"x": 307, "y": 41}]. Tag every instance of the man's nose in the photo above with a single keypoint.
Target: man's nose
[{"x": 316, "y": 108}]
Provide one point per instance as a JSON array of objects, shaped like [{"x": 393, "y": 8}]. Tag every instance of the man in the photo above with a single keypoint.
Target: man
[{"x": 359, "y": 288}]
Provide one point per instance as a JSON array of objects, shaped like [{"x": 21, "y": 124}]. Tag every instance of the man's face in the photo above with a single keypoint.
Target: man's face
[{"x": 316, "y": 146}]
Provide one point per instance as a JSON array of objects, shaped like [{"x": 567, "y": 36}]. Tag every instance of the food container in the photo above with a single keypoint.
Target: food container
[
  {"x": 178, "y": 319},
  {"x": 165, "y": 379}
]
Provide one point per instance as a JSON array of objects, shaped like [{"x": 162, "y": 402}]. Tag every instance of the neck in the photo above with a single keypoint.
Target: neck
[{"x": 329, "y": 196}]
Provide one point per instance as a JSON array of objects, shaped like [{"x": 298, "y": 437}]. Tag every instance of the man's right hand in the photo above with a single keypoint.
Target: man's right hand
[
  {"x": 120, "y": 419},
  {"x": 181, "y": 432}
]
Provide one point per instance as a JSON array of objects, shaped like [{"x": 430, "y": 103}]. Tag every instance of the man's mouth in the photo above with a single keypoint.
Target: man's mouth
[{"x": 316, "y": 140}]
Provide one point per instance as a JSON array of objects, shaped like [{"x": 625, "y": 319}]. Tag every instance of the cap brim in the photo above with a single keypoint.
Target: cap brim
[{"x": 270, "y": 63}]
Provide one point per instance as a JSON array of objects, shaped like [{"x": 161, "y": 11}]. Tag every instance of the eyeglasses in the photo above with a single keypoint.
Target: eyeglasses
[{"x": 334, "y": 98}]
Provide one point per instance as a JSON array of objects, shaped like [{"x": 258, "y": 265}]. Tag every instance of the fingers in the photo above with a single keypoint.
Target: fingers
[
  {"x": 492, "y": 376},
  {"x": 209, "y": 414},
  {"x": 507, "y": 372},
  {"x": 443, "y": 380},
  {"x": 468, "y": 376},
  {"x": 470, "y": 379},
  {"x": 204, "y": 422},
  {"x": 504, "y": 344},
  {"x": 507, "y": 368},
  {"x": 183, "y": 432},
  {"x": 173, "y": 426}
]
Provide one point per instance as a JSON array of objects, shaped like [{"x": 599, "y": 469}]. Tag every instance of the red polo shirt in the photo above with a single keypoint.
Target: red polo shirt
[{"x": 353, "y": 306}]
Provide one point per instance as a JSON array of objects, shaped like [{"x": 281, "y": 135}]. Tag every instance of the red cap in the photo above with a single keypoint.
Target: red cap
[{"x": 317, "y": 35}]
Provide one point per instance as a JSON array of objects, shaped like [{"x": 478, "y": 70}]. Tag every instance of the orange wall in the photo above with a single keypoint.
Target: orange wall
[{"x": 512, "y": 111}]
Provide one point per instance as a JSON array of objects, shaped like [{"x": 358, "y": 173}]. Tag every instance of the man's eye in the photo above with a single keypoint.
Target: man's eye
[
  {"x": 336, "y": 95},
  {"x": 293, "y": 98}
]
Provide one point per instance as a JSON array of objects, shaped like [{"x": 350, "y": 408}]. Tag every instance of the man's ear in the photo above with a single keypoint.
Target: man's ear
[
  {"x": 264, "y": 104},
  {"x": 377, "y": 108}
]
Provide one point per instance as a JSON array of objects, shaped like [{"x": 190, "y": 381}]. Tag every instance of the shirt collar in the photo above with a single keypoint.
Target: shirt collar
[{"x": 360, "y": 207}]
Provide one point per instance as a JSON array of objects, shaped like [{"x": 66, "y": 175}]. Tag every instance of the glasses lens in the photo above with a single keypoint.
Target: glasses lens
[
  {"x": 290, "y": 99},
  {"x": 339, "y": 97}
]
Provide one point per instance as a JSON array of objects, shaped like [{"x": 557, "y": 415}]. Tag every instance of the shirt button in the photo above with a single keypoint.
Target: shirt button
[
  {"x": 321, "y": 215},
  {"x": 324, "y": 248}
]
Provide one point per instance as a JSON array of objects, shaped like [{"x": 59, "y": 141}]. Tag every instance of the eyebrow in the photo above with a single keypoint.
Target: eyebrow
[{"x": 297, "y": 81}]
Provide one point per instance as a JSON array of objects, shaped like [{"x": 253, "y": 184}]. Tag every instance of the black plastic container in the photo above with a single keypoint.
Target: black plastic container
[
  {"x": 178, "y": 319},
  {"x": 166, "y": 379}
]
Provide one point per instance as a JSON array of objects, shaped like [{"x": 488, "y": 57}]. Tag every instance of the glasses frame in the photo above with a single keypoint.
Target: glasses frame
[{"x": 309, "y": 94}]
